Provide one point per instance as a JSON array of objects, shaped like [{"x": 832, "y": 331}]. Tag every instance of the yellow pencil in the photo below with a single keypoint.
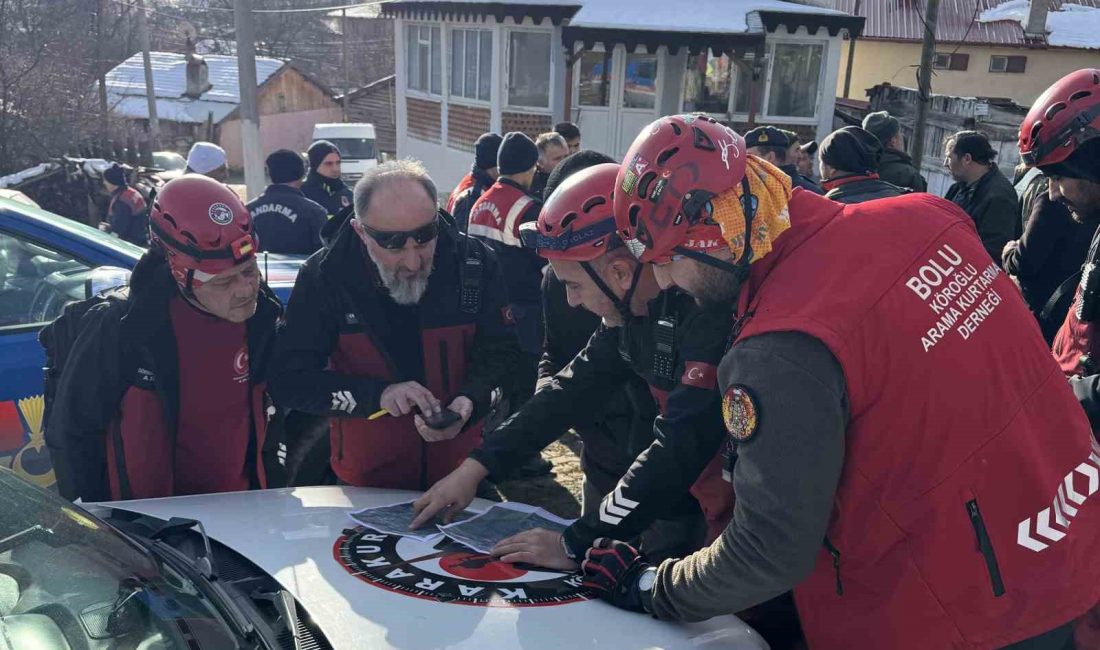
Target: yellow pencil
[{"x": 375, "y": 416}]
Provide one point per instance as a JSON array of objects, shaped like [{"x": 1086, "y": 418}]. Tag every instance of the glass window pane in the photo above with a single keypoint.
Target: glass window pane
[
  {"x": 742, "y": 88},
  {"x": 471, "y": 66},
  {"x": 707, "y": 84},
  {"x": 36, "y": 282},
  {"x": 422, "y": 64},
  {"x": 529, "y": 69},
  {"x": 796, "y": 74},
  {"x": 640, "y": 85},
  {"x": 412, "y": 46},
  {"x": 485, "y": 67},
  {"x": 436, "y": 68},
  {"x": 594, "y": 79},
  {"x": 458, "y": 41}
]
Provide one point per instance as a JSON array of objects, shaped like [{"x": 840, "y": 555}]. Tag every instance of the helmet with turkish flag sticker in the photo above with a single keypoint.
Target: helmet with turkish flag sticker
[
  {"x": 1064, "y": 117},
  {"x": 203, "y": 228},
  {"x": 664, "y": 187},
  {"x": 577, "y": 223}
]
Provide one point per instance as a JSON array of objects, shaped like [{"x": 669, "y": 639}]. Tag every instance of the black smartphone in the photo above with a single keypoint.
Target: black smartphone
[{"x": 441, "y": 420}]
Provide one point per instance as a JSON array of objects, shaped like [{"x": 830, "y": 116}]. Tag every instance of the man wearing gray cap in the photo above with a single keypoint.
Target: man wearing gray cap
[{"x": 896, "y": 166}]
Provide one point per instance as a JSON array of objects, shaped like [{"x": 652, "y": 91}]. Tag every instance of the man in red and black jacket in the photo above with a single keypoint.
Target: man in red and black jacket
[
  {"x": 404, "y": 314},
  {"x": 163, "y": 390},
  {"x": 667, "y": 341}
]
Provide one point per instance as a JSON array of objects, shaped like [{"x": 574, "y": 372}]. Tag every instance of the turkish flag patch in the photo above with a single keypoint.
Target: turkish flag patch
[
  {"x": 506, "y": 314},
  {"x": 740, "y": 413},
  {"x": 700, "y": 375}
]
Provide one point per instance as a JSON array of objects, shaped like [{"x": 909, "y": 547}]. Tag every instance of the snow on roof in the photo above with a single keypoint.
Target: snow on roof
[
  {"x": 371, "y": 10},
  {"x": 126, "y": 86},
  {"x": 712, "y": 16},
  {"x": 548, "y": 3},
  {"x": 23, "y": 176},
  {"x": 1073, "y": 26}
]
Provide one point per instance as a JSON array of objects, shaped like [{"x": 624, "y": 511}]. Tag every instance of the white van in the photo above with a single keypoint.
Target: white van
[{"x": 356, "y": 143}]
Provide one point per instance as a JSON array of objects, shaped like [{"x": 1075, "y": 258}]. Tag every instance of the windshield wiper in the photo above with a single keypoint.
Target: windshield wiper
[
  {"x": 11, "y": 541},
  {"x": 204, "y": 564},
  {"x": 202, "y": 571}
]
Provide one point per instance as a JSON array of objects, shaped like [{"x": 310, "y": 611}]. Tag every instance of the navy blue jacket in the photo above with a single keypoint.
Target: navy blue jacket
[
  {"x": 331, "y": 193},
  {"x": 286, "y": 221}
]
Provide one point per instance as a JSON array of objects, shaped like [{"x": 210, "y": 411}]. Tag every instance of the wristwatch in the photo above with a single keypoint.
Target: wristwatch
[
  {"x": 565, "y": 547},
  {"x": 646, "y": 581}
]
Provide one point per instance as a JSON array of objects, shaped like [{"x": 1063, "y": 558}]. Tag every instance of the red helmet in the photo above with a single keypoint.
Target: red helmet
[
  {"x": 671, "y": 172},
  {"x": 203, "y": 227},
  {"x": 577, "y": 222},
  {"x": 1063, "y": 117}
]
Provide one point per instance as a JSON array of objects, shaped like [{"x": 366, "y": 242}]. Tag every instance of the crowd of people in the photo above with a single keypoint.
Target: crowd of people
[{"x": 831, "y": 407}]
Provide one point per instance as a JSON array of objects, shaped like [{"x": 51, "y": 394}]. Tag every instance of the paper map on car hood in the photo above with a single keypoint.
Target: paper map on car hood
[
  {"x": 482, "y": 532},
  {"x": 395, "y": 520},
  {"x": 478, "y": 531}
]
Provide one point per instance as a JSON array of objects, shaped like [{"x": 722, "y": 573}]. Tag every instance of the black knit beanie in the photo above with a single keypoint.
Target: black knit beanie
[
  {"x": 517, "y": 154},
  {"x": 851, "y": 149},
  {"x": 285, "y": 166},
  {"x": 485, "y": 150},
  {"x": 115, "y": 175},
  {"x": 318, "y": 151}
]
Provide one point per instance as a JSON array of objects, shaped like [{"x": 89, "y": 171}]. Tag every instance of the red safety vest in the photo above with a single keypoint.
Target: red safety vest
[
  {"x": 464, "y": 184},
  {"x": 389, "y": 452},
  {"x": 967, "y": 456},
  {"x": 130, "y": 197},
  {"x": 496, "y": 215}
]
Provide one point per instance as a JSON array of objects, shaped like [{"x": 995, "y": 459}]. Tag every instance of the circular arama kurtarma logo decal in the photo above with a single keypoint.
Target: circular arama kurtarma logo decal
[
  {"x": 450, "y": 573},
  {"x": 220, "y": 214}
]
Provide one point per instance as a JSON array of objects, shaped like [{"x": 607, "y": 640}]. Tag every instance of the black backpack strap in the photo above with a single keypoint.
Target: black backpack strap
[{"x": 1068, "y": 285}]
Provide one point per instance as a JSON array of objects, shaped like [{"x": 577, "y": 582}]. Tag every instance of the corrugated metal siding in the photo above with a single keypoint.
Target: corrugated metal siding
[
  {"x": 900, "y": 20},
  {"x": 375, "y": 104}
]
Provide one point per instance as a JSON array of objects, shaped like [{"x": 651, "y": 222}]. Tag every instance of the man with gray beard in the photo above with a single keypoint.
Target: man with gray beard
[{"x": 399, "y": 333}]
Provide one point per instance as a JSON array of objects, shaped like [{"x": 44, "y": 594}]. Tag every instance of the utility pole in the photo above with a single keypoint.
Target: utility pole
[
  {"x": 924, "y": 81},
  {"x": 851, "y": 54},
  {"x": 101, "y": 75},
  {"x": 250, "y": 119},
  {"x": 150, "y": 92},
  {"x": 344, "y": 56}
]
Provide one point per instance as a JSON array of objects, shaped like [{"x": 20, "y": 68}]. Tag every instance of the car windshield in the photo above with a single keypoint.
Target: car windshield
[
  {"x": 67, "y": 580},
  {"x": 169, "y": 160},
  {"x": 354, "y": 148}
]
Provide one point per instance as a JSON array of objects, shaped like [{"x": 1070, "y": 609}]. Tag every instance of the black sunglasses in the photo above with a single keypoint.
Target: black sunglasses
[{"x": 395, "y": 239}]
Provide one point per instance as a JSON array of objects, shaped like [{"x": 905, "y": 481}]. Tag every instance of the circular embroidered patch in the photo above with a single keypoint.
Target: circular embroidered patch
[
  {"x": 740, "y": 413},
  {"x": 220, "y": 214}
]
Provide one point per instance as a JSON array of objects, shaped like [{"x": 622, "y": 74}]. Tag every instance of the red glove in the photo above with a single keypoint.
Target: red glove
[{"x": 613, "y": 569}]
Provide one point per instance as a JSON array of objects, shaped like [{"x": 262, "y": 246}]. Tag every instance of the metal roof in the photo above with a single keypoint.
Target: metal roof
[
  {"x": 711, "y": 16},
  {"x": 126, "y": 86},
  {"x": 957, "y": 22}
]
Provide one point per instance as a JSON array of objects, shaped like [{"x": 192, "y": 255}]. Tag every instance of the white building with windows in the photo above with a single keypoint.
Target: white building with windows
[{"x": 466, "y": 67}]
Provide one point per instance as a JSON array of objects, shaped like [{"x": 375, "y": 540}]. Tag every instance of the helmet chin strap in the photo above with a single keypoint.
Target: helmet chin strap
[
  {"x": 621, "y": 305},
  {"x": 740, "y": 269}
]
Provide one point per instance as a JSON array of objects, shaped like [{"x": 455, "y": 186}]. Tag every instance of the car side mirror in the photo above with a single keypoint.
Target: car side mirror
[{"x": 104, "y": 278}]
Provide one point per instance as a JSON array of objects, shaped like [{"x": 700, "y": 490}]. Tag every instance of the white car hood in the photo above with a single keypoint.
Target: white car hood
[{"x": 292, "y": 534}]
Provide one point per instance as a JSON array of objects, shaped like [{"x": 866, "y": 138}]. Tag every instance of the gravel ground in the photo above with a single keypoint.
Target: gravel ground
[{"x": 559, "y": 492}]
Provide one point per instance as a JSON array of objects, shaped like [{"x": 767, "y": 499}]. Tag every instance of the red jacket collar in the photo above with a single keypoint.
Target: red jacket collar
[{"x": 844, "y": 180}]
